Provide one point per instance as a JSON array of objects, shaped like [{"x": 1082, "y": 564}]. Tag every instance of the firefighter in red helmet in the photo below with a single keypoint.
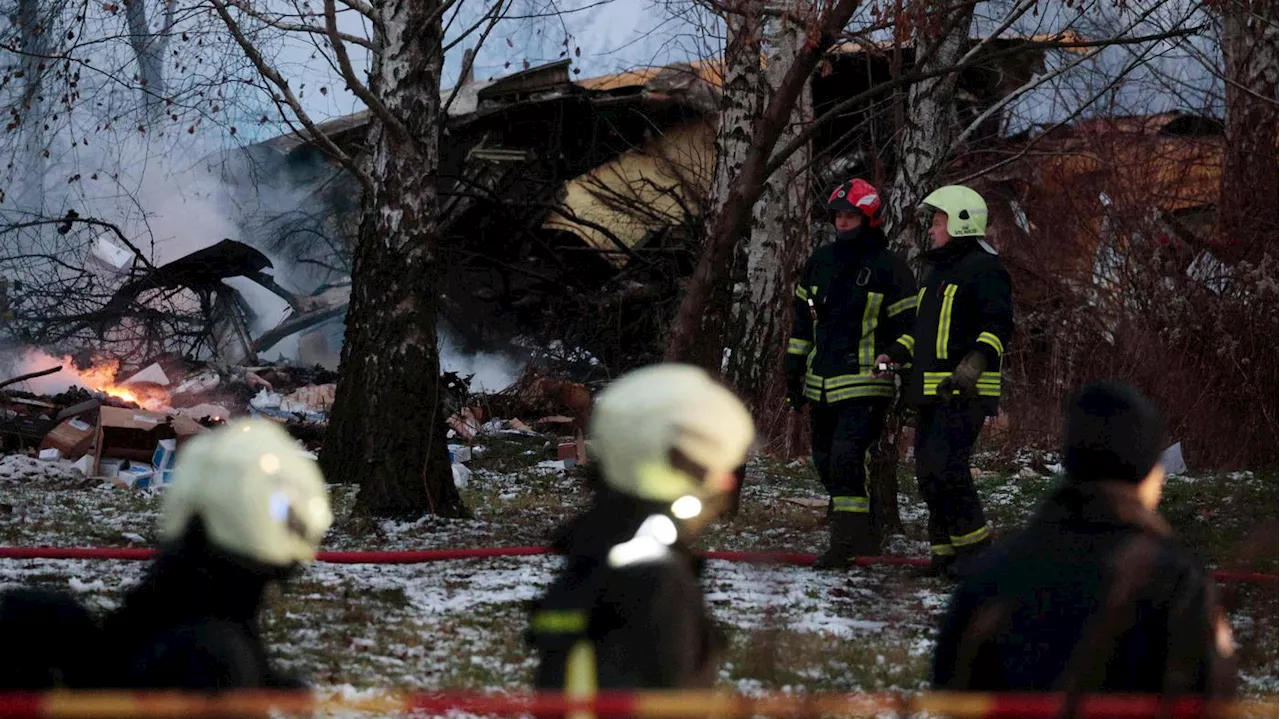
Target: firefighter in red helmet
[{"x": 853, "y": 299}]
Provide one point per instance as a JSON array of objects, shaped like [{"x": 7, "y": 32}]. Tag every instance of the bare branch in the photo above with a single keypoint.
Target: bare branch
[
  {"x": 1017, "y": 12},
  {"x": 274, "y": 77},
  {"x": 470, "y": 61},
  {"x": 349, "y": 74},
  {"x": 440, "y": 11},
  {"x": 1035, "y": 82},
  {"x": 115, "y": 229},
  {"x": 363, "y": 8},
  {"x": 847, "y": 104},
  {"x": 1116, "y": 80},
  {"x": 305, "y": 28},
  {"x": 491, "y": 19}
]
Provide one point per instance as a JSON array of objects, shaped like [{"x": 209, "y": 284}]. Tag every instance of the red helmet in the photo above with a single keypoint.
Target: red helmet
[{"x": 856, "y": 196}]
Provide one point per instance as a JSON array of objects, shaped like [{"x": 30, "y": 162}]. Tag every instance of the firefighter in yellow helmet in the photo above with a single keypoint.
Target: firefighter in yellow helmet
[
  {"x": 627, "y": 610},
  {"x": 964, "y": 319},
  {"x": 246, "y": 508}
]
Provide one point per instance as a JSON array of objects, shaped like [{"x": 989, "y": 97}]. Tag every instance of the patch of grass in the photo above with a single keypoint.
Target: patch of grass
[
  {"x": 1228, "y": 519},
  {"x": 510, "y": 452},
  {"x": 774, "y": 658}
]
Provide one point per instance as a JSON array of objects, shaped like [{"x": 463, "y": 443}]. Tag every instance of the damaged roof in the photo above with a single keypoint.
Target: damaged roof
[
  {"x": 697, "y": 81},
  {"x": 1167, "y": 161}
]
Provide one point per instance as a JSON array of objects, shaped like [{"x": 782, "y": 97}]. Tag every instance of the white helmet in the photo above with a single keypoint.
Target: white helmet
[
  {"x": 258, "y": 495},
  {"x": 666, "y": 413}
]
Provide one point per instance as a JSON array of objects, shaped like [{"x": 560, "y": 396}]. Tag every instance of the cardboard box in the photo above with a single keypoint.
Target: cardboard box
[
  {"x": 50, "y": 455},
  {"x": 459, "y": 454},
  {"x": 105, "y": 467},
  {"x": 136, "y": 477},
  {"x": 85, "y": 465},
  {"x": 162, "y": 460},
  {"x": 73, "y": 437},
  {"x": 133, "y": 434}
]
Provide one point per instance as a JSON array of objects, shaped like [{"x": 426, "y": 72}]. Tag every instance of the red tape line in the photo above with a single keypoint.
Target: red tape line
[
  {"x": 651, "y": 704},
  {"x": 421, "y": 556}
]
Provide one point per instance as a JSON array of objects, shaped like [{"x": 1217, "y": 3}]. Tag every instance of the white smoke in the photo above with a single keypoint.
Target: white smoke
[{"x": 493, "y": 372}]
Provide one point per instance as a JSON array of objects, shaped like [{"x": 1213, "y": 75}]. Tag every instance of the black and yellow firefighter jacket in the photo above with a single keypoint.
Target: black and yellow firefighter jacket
[
  {"x": 854, "y": 298},
  {"x": 964, "y": 305},
  {"x": 624, "y": 613}
]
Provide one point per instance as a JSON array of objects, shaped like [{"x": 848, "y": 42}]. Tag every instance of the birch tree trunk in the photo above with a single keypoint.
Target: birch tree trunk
[
  {"x": 741, "y": 99},
  {"x": 1248, "y": 207},
  {"x": 387, "y": 430},
  {"x": 929, "y": 128},
  {"x": 779, "y": 241},
  {"x": 698, "y": 333},
  {"x": 927, "y": 134}
]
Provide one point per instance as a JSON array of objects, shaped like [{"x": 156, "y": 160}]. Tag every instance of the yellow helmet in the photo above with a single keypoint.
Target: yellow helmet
[
  {"x": 258, "y": 495},
  {"x": 648, "y": 417},
  {"x": 966, "y": 210}
]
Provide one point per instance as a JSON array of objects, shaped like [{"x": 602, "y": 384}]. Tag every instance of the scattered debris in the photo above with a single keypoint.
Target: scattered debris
[
  {"x": 466, "y": 423},
  {"x": 198, "y": 383},
  {"x": 308, "y": 403},
  {"x": 152, "y": 374},
  {"x": 1172, "y": 460}
]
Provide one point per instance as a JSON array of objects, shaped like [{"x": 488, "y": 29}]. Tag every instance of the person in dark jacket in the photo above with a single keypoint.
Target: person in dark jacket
[
  {"x": 853, "y": 299},
  {"x": 53, "y": 641},
  {"x": 963, "y": 322},
  {"x": 1095, "y": 595},
  {"x": 627, "y": 610},
  {"x": 246, "y": 509}
]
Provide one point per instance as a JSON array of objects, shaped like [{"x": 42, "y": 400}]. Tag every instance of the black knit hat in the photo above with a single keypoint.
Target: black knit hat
[{"x": 1112, "y": 432}]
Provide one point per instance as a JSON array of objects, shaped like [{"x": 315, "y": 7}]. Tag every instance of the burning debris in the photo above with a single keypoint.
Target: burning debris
[{"x": 123, "y": 424}]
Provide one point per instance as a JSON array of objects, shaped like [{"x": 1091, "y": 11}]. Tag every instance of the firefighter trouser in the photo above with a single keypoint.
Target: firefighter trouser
[
  {"x": 842, "y": 436},
  {"x": 945, "y": 437}
]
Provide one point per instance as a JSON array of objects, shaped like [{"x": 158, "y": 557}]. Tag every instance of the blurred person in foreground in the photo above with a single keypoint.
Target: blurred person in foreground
[
  {"x": 246, "y": 509},
  {"x": 1095, "y": 595},
  {"x": 627, "y": 610}
]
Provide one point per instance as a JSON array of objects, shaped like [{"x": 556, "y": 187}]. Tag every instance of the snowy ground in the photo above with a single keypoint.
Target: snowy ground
[{"x": 457, "y": 625}]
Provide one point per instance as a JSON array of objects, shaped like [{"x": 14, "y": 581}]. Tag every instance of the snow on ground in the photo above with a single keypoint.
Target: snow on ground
[{"x": 357, "y": 629}]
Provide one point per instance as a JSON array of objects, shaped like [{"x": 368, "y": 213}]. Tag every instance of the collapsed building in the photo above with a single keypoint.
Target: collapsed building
[{"x": 571, "y": 207}]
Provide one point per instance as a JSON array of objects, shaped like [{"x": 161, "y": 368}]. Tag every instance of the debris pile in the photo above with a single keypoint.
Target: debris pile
[
  {"x": 124, "y": 427},
  {"x": 562, "y": 408}
]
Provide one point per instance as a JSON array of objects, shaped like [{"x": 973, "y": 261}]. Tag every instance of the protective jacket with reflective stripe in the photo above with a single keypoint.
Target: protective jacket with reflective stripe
[
  {"x": 964, "y": 304},
  {"x": 854, "y": 298},
  {"x": 638, "y": 624}
]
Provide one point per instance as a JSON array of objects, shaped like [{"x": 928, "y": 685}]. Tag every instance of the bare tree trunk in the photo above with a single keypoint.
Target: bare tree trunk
[
  {"x": 928, "y": 132},
  {"x": 1248, "y": 207},
  {"x": 34, "y": 38},
  {"x": 387, "y": 430},
  {"x": 699, "y": 331},
  {"x": 779, "y": 240},
  {"x": 149, "y": 48}
]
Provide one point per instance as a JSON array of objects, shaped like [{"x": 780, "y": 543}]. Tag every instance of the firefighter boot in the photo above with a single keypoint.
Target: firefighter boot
[
  {"x": 851, "y": 536},
  {"x": 966, "y": 556}
]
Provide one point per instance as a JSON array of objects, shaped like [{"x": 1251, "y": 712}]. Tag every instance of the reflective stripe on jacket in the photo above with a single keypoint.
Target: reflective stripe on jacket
[{"x": 854, "y": 297}]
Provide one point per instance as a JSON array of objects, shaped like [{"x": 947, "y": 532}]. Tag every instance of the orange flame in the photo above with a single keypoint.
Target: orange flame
[{"x": 102, "y": 378}]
